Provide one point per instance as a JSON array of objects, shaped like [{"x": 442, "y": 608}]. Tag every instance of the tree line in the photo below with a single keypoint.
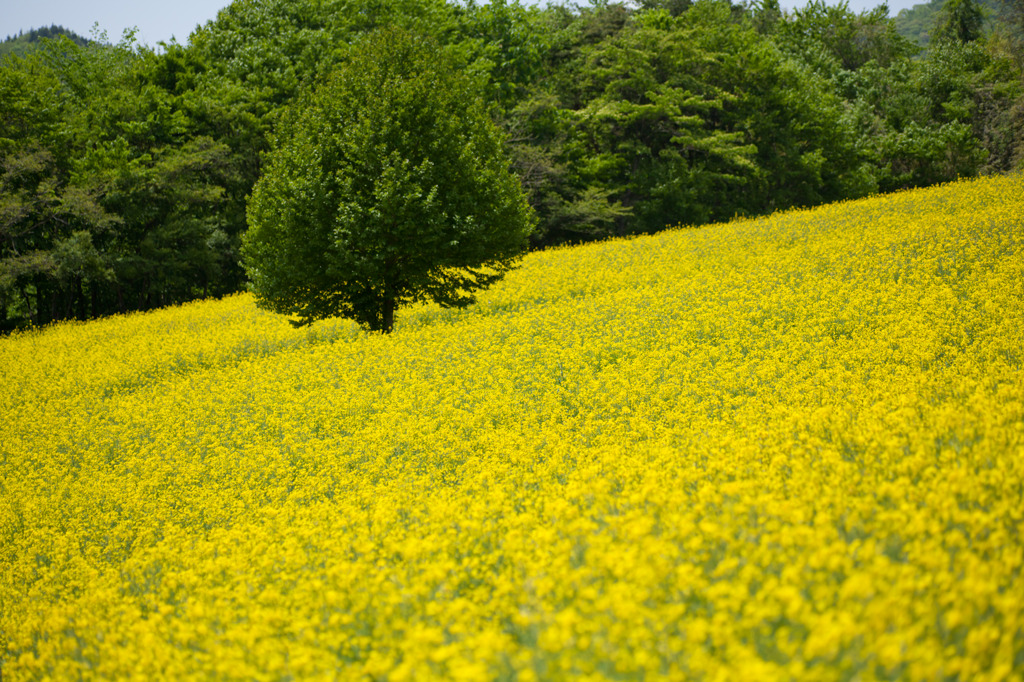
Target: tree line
[{"x": 125, "y": 170}]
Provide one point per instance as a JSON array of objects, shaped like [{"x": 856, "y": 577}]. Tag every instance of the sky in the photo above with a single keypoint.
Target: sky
[{"x": 159, "y": 20}]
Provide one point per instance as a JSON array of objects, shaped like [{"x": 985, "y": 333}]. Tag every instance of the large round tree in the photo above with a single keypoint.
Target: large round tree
[{"x": 387, "y": 185}]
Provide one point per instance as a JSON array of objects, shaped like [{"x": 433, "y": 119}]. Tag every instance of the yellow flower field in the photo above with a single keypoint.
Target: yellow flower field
[{"x": 789, "y": 448}]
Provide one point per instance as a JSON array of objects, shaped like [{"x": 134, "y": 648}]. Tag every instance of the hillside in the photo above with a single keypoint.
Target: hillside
[
  {"x": 23, "y": 43},
  {"x": 918, "y": 22},
  {"x": 783, "y": 448}
]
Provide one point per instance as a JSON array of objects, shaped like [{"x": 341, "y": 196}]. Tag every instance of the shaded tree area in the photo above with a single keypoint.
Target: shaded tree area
[
  {"x": 113, "y": 194},
  {"x": 125, "y": 170}
]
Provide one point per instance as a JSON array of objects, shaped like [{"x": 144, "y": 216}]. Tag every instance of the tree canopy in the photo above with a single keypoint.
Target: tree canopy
[{"x": 385, "y": 186}]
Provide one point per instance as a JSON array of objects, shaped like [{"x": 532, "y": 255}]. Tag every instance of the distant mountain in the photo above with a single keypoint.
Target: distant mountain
[
  {"x": 24, "y": 42},
  {"x": 918, "y": 22}
]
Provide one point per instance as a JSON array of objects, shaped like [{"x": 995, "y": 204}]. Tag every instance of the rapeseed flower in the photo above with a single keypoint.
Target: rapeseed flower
[{"x": 786, "y": 448}]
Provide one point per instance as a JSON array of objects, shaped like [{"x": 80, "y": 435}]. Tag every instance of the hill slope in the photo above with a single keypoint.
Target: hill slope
[
  {"x": 918, "y": 22},
  {"x": 788, "y": 448},
  {"x": 23, "y": 43}
]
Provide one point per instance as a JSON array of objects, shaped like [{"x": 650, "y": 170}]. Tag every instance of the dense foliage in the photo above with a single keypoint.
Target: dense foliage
[
  {"x": 387, "y": 186},
  {"x": 787, "y": 448},
  {"x": 115, "y": 188},
  {"x": 124, "y": 170}
]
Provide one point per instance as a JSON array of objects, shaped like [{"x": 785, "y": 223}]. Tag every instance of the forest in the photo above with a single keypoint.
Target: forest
[{"x": 125, "y": 169}]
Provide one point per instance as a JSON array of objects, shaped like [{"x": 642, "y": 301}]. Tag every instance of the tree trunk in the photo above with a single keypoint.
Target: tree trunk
[
  {"x": 54, "y": 300},
  {"x": 389, "y": 315},
  {"x": 80, "y": 298},
  {"x": 36, "y": 310}
]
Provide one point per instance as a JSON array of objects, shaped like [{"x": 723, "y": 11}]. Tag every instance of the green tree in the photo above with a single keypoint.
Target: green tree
[
  {"x": 543, "y": 126},
  {"x": 112, "y": 190},
  {"x": 951, "y": 114},
  {"x": 832, "y": 38},
  {"x": 504, "y": 42},
  {"x": 646, "y": 131},
  {"x": 164, "y": 180},
  {"x": 700, "y": 117},
  {"x": 50, "y": 215},
  {"x": 1010, "y": 29},
  {"x": 386, "y": 186},
  {"x": 960, "y": 20}
]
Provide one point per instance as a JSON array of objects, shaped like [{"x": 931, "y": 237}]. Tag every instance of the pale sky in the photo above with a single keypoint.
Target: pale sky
[{"x": 159, "y": 20}]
